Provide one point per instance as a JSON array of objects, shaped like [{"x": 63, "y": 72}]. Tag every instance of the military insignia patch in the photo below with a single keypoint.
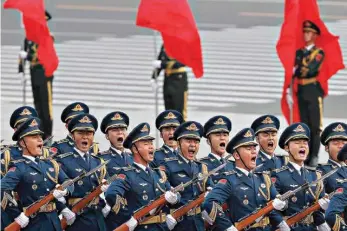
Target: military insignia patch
[
  {"x": 339, "y": 128},
  {"x": 143, "y": 184},
  {"x": 299, "y": 128},
  {"x": 80, "y": 182},
  {"x": 12, "y": 169},
  {"x": 170, "y": 115},
  {"x": 34, "y": 186},
  {"x": 319, "y": 57},
  {"x": 267, "y": 120},
  {"x": 248, "y": 134},
  {"x": 145, "y": 197},
  {"x": 222, "y": 181},
  {"x": 121, "y": 176},
  {"x": 145, "y": 128},
  {"x": 219, "y": 121},
  {"x": 192, "y": 127},
  {"x": 78, "y": 107},
  {"x": 162, "y": 168},
  {"x": 263, "y": 185},
  {"x": 117, "y": 116},
  {"x": 53, "y": 150},
  {"x": 339, "y": 191},
  {"x": 51, "y": 169},
  {"x": 25, "y": 112},
  {"x": 294, "y": 199},
  {"x": 273, "y": 180},
  {"x": 85, "y": 120},
  {"x": 33, "y": 123},
  {"x": 245, "y": 201}
]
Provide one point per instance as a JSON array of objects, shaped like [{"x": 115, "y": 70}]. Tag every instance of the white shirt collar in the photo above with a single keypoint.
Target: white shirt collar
[
  {"x": 297, "y": 167},
  {"x": 337, "y": 163},
  {"x": 216, "y": 156},
  {"x": 309, "y": 47},
  {"x": 243, "y": 170},
  {"x": 80, "y": 152},
  {"x": 141, "y": 166},
  {"x": 187, "y": 161},
  {"x": 30, "y": 158},
  {"x": 119, "y": 152},
  {"x": 171, "y": 149},
  {"x": 269, "y": 157}
]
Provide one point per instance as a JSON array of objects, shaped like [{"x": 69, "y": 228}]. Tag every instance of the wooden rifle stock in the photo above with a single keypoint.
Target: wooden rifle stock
[
  {"x": 254, "y": 216},
  {"x": 187, "y": 207}
]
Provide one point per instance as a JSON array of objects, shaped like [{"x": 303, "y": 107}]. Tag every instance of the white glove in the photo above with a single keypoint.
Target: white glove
[
  {"x": 62, "y": 200},
  {"x": 324, "y": 203},
  {"x": 231, "y": 228},
  {"x": 171, "y": 197},
  {"x": 22, "y": 220},
  {"x": 171, "y": 222},
  {"x": 104, "y": 187},
  {"x": 59, "y": 193},
  {"x": 283, "y": 226},
  {"x": 156, "y": 63},
  {"x": 324, "y": 227},
  {"x": 279, "y": 204},
  {"x": 289, "y": 97},
  {"x": 23, "y": 54},
  {"x": 69, "y": 215},
  {"x": 154, "y": 85},
  {"x": 132, "y": 223},
  {"x": 106, "y": 210}
]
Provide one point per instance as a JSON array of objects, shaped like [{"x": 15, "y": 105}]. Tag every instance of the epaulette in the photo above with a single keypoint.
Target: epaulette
[
  {"x": 18, "y": 161},
  {"x": 282, "y": 154},
  {"x": 262, "y": 172},
  {"x": 104, "y": 152},
  {"x": 311, "y": 168},
  {"x": 61, "y": 141},
  {"x": 229, "y": 172},
  {"x": 170, "y": 159},
  {"x": 324, "y": 164},
  {"x": 281, "y": 169},
  {"x": 61, "y": 156},
  {"x": 204, "y": 158}
]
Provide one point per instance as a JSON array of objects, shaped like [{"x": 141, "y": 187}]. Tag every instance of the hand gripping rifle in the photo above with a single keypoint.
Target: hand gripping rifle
[
  {"x": 246, "y": 222},
  {"x": 140, "y": 214},
  {"x": 33, "y": 208}
]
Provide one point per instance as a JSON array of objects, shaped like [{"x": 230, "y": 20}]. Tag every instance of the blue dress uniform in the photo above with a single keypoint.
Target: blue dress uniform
[
  {"x": 243, "y": 194},
  {"x": 137, "y": 187},
  {"x": 336, "y": 130},
  {"x": 288, "y": 178},
  {"x": 268, "y": 123},
  {"x": 217, "y": 124},
  {"x": 180, "y": 170},
  {"x": 338, "y": 204},
  {"x": 73, "y": 164},
  {"x": 67, "y": 145},
  {"x": 32, "y": 181},
  {"x": 168, "y": 118}
]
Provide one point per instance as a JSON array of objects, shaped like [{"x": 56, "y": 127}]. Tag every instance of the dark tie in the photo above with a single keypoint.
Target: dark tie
[
  {"x": 222, "y": 160},
  {"x": 302, "y": 172},
  {"x": 86, "y": 158},
  {"x": 37, "y": 160},
  {"x": 148, "y": 171}
]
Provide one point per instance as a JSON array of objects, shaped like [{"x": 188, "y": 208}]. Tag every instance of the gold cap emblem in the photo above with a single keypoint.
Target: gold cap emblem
[
  {"x": 25, "y": 112},
  {"x": 192, "y": 127},
  {"x": 219, "y": 121},
  {"x": 145, "y": 128},
  {"x": 299, "y": 128},
  {"x": 78, "y": 107},
  {"x": 267, "y": 120},
  {"x": 85, "y": 119},
  {"x": 33, "y": 123},
  {"x": 339, "y": 128},
  {"x": 248, "y": 134},
  {"x": 170, "y": 115},
  {"x": 117, "y": 117}
]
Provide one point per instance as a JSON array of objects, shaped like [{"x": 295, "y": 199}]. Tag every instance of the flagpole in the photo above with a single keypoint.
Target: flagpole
[{"x": 156, "y": 110}]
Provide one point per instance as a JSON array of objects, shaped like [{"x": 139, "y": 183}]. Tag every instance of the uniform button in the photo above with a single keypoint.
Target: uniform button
[
  {"x": 156, "y": 189},
  {"x": 308, "y": 203},
  {"x": 145, "y": 227},
  {"x": 47, "y": 190},
  {"x": 215, "y": 181},
  {"x": 258, "y": 194},
  {"x": 45, "y": 179},
  {"x": 10, "y": 204},
  {"x": 92, "y": 176},
  {"x": 306, "y": 192}
]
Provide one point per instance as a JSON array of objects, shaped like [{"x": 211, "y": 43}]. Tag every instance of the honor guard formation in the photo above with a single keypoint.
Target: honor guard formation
[{"x": 241, "y": 184}]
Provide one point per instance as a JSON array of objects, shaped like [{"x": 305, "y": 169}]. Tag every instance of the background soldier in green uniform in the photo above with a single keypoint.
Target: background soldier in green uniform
[
  {"x": 41, "y": 85},
  {"x": 175, "y": 82},
  {"x": 308, "y": 61}
]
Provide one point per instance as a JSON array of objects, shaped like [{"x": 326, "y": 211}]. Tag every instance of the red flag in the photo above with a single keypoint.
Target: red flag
[
  {"x": 175, "y": 21},
  {"x": 36, "y": 30},
  {"x": 296, "y": 12}
]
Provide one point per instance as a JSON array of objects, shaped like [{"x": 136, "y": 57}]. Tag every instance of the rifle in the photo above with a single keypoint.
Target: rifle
[
  {"x": 181, "y": 211},
  {"x": 87, "y": 199},
  {"x": 301, "y": 215},
  {"x": 47, "y": 140},
  {"x": 248, "y": 220},
  {"x": 33, "y": 208},
  {"x": 140, "y": 214}
]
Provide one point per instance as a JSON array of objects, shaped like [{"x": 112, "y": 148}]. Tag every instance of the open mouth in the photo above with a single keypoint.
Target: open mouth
[
  {"x": 171, "y": 138},
  {"x": 40, "y": 146},
  {"x": 222, "y": 145},
  {"x": 120, "y": 139},
  {"x": 84, "y": 144},
  {"x": 270, "y": 144},
  {"x": 302, "y": 152},
  {"x": 151, "y": 153},
  {"x": 191, "y": 151},
  {"x": 253, "y": 159}
]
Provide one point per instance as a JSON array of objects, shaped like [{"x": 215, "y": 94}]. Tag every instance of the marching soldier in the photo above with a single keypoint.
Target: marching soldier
[
  {"x": 41, "y": 85},
  {"x": 334, "y": 137},
  {"x": 82, "y": 129},
  {"x": 308, "y": 61},
  {"x": 139, "y": 184},
  {"x": 295, "y": 141},
  {"x": 67, "y": 145},
  {"x": 242, "y": 190},
  {"x": 216, "y": 131},
  {"x": 338, "y": 203},
  {"x": 175, "y": 82},
  {"x": 183, "y": 168},
  {"x": 33, "y": 178},
  {"x": 166, "y": 122},
  {"x": 265, "y": 128}
]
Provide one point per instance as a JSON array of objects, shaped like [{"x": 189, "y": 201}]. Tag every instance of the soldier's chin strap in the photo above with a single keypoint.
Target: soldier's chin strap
[
  {"x": 27, "y": 147},
  {"x": 248, "y": 169},
  {"x": 140, "y": 154}
]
